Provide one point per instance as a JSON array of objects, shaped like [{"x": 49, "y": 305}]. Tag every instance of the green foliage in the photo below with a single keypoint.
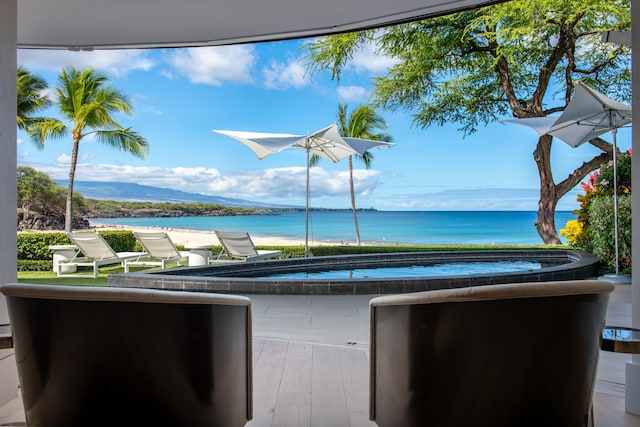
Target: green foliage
[
  {"x": 121, "y": 240},
  {"x": 87, "y": 103},
  {"x": 38, "y": 192},
  {"x": 599, "y": 185},
  {"x": 35, "y": 246},
  {"x": 602, "y": 230},
  {"x": 475, "y": 66},
  {"x": 623, "y": 167},
  {"x": 574, "y": 232},
  {"x": 31, "y": 98},
  {"x": 34, "y": 265},
  {"x": 107, "y": 208},
  {"x": 518, "y": 58}
]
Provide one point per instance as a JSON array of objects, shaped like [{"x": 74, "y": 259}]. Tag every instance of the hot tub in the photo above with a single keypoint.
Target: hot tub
[{"x": 253, "y": 277}]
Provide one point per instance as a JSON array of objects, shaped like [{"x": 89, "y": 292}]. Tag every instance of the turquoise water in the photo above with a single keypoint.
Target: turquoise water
[
  {"x": 378, "y": 227},
  {"x": 434, "y": 270}
]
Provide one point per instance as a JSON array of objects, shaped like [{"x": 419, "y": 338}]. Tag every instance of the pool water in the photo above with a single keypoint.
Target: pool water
[{"x": 433, "y": 270}]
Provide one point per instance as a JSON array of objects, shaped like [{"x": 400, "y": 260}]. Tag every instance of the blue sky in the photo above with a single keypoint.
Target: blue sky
[{"x": 180, "y": 95}]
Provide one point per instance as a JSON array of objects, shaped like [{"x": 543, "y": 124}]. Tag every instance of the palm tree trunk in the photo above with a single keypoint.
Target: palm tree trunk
[
  {"x": 68, "y": 218},
  {"x": 353, "y": 200}
]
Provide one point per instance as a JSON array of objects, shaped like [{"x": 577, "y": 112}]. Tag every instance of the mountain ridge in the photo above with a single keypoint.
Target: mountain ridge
[{"x": 131, "y": 192}]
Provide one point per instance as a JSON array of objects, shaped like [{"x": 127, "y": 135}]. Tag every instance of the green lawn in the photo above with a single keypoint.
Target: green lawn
[{"x": 50, "y": 278}]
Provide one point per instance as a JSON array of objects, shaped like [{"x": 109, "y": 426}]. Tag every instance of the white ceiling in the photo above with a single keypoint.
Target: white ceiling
[{"x": 109, "y": 24}]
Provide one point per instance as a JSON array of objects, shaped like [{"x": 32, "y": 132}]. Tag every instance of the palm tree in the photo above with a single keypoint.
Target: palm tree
[
  {"x": 87, "y": 103},
  {"x": 362, "y": 123},
  {"x": 31, "y": 98}
]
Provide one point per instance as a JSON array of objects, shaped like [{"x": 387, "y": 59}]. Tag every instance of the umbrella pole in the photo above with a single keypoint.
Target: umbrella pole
[
  {"x": 615, "y": 198},
  {"x": 306, "y": 216}
]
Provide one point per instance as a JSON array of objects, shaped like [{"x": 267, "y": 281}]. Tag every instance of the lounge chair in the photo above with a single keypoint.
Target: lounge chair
[
  {"x": 497, "y": 355},
  {"x": 159, "y": 250},
  {"x": 239, "y": 246},
  {"x": 101, "y": 356},
  {"x": 93, "y": 251}
]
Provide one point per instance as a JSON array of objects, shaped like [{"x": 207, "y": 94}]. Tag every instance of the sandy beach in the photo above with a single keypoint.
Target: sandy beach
[{"x": 182, "y": 237}]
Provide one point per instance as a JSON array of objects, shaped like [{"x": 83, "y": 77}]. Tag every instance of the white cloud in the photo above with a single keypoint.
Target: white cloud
[
  {"x": 213, "y": 65},
  {"x": 284, "y": 76},
  {"x": 369, "y": 61},
  {"x": 289, "y": 183},
  {"x": 65, "y": 159},
  {"x": 264, "y": 185},
  {"x": 352, "y": 93},
  {"x": 113, "y": 62}
]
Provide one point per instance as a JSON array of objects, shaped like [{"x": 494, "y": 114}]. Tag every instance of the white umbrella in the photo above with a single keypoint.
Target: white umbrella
[
  {"x": 588, "y": 115},
  {"x": 540, "y": 124},
  {"x": 326, "y": 143}
]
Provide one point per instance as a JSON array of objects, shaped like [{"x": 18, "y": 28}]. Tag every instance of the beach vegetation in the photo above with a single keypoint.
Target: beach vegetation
[
  {"x": 574, "y": 232},
  {"x": 35, "y": 245},
  {"x": 473, "y": 68},
  {"x": 38, "y": 192},
  {"x": 594, "y": 229},
  {"x": 87, "y": 104},
  {"x": 602, "y": 231},
  {"x": 364, "y": 123},
  {"x": 32, "y": 98}
]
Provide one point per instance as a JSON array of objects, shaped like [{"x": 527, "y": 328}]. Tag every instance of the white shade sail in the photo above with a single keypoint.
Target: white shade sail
[
  {"x": 326, "y": 142},
  {"x": 539, "y": 124},
  {"x": 589, "y": 115}
]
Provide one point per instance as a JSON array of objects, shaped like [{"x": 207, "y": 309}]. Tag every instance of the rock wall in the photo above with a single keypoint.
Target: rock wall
[{"x": 49, "y": 222}]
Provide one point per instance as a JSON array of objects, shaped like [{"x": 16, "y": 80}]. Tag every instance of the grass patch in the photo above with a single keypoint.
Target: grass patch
[{"x": 50, "y": 278}]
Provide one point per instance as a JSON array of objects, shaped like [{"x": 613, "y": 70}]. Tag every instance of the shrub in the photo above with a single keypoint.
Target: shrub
[
  {"x": 599, "y": 186},
  {"x": 602, "y": 230},
  {"x": 573, "y": 231},
  {"x": 121, "y": 240},
  {"x": 35, "y": 246},
  {"x": 34, "y": 265}
]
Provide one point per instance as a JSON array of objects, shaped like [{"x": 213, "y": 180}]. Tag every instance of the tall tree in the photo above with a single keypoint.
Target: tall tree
[
  {"x": 31, "y": 98},
  {"x": 473, "y": 68},
  {"x": 37, "y": 192},
  {"x": 87, "y": 104},
  {"x": 364, "y": 123}
]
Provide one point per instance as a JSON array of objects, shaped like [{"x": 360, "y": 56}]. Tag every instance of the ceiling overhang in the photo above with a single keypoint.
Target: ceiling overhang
[{"x": 119, "y": 24}]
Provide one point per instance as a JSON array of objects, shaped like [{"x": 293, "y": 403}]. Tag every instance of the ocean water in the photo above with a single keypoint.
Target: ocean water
[{"x": 376, "y": 227}]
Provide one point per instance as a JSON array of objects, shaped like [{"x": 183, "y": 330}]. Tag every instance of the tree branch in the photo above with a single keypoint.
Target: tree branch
[{"x": 580, "y": 173}]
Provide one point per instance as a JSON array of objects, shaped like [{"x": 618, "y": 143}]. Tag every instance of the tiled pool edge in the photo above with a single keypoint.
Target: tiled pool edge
[{"x": 581, "y": 265}]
